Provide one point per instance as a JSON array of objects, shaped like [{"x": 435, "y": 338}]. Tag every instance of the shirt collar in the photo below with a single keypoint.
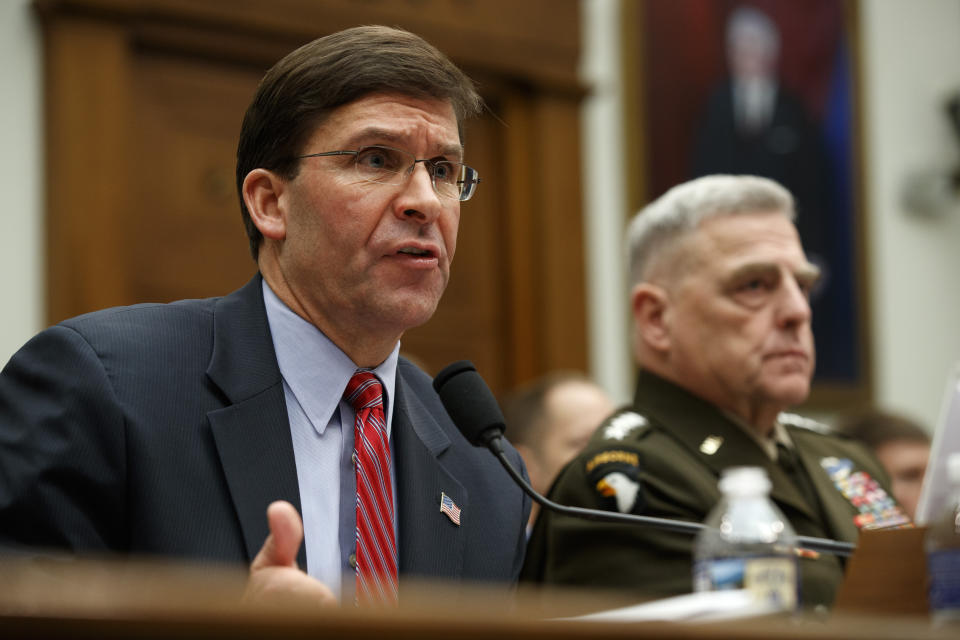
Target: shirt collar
[{"x": 314, "y": 368}]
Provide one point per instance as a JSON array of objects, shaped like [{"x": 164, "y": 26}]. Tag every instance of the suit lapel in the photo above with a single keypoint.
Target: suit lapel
[
  {"x": 252, "y": 433},
  {"x": 430, "y": 544}
]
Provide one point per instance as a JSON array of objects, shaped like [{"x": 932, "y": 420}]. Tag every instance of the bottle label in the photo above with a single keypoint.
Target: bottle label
[
  {"x": 943, "y": 566},
  {"x": 772, "y": 579}
]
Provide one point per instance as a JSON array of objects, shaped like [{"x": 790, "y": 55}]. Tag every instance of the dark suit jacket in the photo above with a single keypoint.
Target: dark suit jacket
[{"x": 162, "y": 429}]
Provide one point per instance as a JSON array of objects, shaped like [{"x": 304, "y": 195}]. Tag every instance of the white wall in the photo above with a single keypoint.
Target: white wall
[
  {"x": 911, "y": 61},
  {"x": 21, "y": 263},
  {"x": 604, "y": 190},
  {"x": 911, "y": 56}
]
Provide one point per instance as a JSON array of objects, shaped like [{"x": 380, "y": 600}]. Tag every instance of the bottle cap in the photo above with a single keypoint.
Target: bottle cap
[
  {"x": 953, "y": 468},
  {"x": 744, "y": 481}
]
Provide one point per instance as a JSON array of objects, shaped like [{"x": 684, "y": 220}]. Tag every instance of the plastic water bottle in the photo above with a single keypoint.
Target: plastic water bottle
[
  {"x": 748, "y": 543},
  {"x": 942, "y": 544}
]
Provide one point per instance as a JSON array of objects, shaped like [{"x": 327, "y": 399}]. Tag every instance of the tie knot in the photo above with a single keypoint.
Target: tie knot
[
  {"x": 364, "y": 390},
  {"x": 787, "y": 457}
]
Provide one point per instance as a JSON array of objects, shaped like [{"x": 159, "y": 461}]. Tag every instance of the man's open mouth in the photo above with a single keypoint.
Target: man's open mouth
[{"x": 413, "y": 251}]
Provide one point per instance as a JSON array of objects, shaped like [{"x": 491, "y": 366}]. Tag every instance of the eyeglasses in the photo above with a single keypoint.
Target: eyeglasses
[{"x": 386, "y": 165}]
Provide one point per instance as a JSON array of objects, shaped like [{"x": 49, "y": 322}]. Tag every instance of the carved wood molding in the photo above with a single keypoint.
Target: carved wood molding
[{"x": 539, "y": 44}]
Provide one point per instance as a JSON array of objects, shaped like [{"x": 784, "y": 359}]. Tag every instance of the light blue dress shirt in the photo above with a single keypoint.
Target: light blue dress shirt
[{"x": 315, "y": 373}]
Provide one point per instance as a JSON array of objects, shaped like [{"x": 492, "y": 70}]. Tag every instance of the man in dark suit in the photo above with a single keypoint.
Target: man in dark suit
[
  {"x": 170, "y": 429},
  {"x": 721, "y": 329}
]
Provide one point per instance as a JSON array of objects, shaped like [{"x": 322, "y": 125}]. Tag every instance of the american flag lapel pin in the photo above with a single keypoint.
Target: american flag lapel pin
[{"x": 448, "y": 507}]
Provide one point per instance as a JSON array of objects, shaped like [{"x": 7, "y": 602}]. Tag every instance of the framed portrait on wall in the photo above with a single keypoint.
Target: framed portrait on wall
[{"x": 764, "y": 87}]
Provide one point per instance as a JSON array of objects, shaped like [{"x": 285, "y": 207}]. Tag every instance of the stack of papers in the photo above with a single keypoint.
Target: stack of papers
[{"x": 693, "y": 607}]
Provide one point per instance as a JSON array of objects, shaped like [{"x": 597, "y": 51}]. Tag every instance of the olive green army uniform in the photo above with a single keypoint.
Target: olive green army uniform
[{"x": 663, "y": 458}]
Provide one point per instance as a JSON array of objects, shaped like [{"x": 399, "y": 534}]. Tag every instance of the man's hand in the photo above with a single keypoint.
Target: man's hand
[{"x": 274, "y": 575}]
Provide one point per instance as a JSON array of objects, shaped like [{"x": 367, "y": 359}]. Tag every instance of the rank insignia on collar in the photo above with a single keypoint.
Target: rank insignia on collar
[{"x": 711, "y": 445}]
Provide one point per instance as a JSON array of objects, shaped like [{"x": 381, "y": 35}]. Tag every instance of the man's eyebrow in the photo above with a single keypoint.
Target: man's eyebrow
[
  {"x": 394, "y": 138},
  {"x": 373, "y": 133},
  {"x": 753, "y": 270},
  {"x": 808, "y": 273}
]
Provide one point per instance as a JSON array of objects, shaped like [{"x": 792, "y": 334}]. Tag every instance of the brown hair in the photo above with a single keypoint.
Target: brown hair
[
  {"x": 876, "y": 427},
  {"x": 301, "y": 90}
]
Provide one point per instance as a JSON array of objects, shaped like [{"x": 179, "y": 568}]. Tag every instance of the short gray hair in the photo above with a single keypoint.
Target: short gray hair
[{"x": 686, "y": 205}]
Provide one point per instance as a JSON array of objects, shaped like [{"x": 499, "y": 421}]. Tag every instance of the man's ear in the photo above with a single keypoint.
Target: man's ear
[
  {"x": 650, "y": 316},
  {"x": 262, "y": 191}
]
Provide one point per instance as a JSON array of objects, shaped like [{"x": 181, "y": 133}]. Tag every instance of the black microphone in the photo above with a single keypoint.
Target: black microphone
[
  {"x": 475, "y": 412},
  {"x": 470, "y": 403}
]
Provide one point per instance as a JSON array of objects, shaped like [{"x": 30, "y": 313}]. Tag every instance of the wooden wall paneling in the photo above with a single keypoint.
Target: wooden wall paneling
[
  {"x": 87, "y": 106},
  {"x": 561, "y": 314},
  {"x": 522, "y": 246},
  {"x": 535, "y": 40},
  {"x": 546, "y": 287},
  {"x": 186, "y": 230}
]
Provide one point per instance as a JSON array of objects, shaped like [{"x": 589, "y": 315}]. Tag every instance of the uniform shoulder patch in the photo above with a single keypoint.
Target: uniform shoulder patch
[
  {"x": 621, "y": 424},
  {"x": 614, "y": 475},
  {"x": 803, "y": 422},
  {"x": 612, "y": 456}
]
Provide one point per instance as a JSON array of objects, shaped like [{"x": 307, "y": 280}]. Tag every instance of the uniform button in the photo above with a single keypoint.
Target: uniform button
[{"x": 352, "y": 560}]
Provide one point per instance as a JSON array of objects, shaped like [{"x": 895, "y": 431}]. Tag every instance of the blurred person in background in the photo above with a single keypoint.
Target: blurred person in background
[{"x": 549, "y": 420}]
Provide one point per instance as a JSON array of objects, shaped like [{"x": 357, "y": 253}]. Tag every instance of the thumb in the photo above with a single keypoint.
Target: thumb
[{"x": 286, "y": 533}]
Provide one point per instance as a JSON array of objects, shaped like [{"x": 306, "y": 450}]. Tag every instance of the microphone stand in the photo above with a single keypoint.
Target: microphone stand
[
  {"x": 494, "y": 443},
  {"x": 477, "y": 415}
]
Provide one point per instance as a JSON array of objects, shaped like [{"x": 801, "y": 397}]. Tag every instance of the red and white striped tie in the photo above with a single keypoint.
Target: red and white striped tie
[{"x": 376, "y": 545}]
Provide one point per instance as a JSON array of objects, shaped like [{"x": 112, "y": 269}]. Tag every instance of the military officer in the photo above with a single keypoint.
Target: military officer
[{"x": 722, "y": 339}]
